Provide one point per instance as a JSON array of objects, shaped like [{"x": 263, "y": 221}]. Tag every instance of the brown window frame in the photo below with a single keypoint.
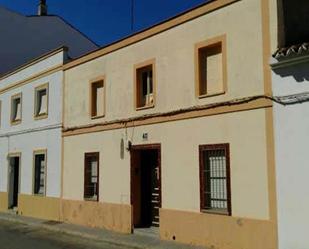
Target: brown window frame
[
  {"x": 204, "y": 45},
  {"x": 203, "y": 148},
  {"x": 97, "y": 155},
  {"x": 138, "y": 70},
  {"x": 92, "y": 104}
]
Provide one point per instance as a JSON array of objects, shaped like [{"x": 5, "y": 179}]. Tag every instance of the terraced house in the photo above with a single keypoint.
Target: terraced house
[
  {"x": 30, "y": 137},
  {"x": 31, "y": 77},
  {"x": 290, "y": 81},
  {"x": 178, "y": 129},
  {"x": 172, "y": 127}
]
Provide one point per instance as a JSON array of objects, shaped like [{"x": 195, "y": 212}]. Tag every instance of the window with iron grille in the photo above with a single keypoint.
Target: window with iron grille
[
  {"x": 91, "y": 179},
  {"x": 39, "y": 173},
  {"x": 215, "y": 179}
]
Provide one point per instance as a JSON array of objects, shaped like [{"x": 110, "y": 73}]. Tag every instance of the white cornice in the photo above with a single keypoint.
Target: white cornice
[{"x": 288, "y": 62}]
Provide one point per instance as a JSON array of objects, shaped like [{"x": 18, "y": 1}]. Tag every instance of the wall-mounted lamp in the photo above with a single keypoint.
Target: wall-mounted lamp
[{"x": 129, "y": 145}]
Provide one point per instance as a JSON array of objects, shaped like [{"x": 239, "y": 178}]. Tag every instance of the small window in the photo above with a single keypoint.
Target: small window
[
  {"x": 145, "y": 86},
  {"x": 39, "y": 173},
  {"x": 211, "y": 68},
  {"x": 16, "y": 109},
  {"x": 91, "y": 178},
  {"x": 41, "y": 101},
  {"x": 97, "y": 99},
  {"x": 215, "y": 179}
]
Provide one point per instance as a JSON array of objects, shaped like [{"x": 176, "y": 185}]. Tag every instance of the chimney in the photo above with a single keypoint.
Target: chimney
[{"x": 42, "y": 8}]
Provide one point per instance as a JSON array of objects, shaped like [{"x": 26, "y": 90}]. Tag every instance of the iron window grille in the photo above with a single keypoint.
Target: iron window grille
[
  {"x": 215, "y": 193},
  {"x": 91, "y": 178},
  {"x": 39, "y": 174}
]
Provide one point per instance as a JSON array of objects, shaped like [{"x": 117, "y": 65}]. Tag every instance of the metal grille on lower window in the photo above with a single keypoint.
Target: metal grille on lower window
[
  {"x": 214, "y": 174},
  {"x": 91, "y": 181},
  {"x": 39, "y": 174}
]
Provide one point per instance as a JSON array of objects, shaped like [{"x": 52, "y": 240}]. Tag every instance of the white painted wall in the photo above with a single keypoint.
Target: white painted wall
[
  {"x": 33, "y": 134},
  {"x": 292, "y": 161},
  {"x": 26, "y": 143},
  {"x": 28, "y": 122},
  {"x": 39, "y": 66}
]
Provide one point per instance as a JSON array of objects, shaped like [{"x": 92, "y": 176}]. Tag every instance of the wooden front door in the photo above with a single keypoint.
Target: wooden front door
[
  {"x": 145, "y": 185},
  {"x": 13, "y": 181}
]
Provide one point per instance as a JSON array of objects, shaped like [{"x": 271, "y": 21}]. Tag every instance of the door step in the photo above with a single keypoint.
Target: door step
[
  {"x": 13, "y": 210},
  {"x": 149, "y": 232}
]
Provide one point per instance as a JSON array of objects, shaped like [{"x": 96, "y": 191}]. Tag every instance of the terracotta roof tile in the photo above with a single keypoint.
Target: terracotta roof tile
[{"x": 291, "y": 51}]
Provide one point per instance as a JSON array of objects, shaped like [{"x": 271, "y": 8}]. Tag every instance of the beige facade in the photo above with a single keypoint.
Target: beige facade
[
  {"x": 174, "y": 52},
  {"x": 115, "y": 217},
  {"x": 179, "y": 122},
  {"x": 180, "y": 162},
  {"x": 3, "y": 201},
  {"x": 39, "y": 207}
]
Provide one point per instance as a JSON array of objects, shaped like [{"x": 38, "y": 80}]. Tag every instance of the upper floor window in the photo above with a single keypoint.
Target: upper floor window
[
  {"x": 145, "y": 85},
  {"x": 91, "y": 176},
  {"x": 16, "y": 109},
  {"x": 41, "y": 102},
  {"x": 215, "y": 194},
  {"x": 97, "y": 95},
  {"x": 211, "y": 67}
]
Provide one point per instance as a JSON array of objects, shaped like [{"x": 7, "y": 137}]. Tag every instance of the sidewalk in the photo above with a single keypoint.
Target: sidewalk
[{"x": 139, "y": 240}]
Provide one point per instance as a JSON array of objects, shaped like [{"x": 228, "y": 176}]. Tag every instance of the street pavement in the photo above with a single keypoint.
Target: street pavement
[
  {"x": 22, "y": 236},
  {"x": 21, "y": 232}
]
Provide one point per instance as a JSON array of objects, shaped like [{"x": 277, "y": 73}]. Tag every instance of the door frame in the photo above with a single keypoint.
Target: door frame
[
  {"x": 9, "y": 156},
  {"x": 141, "y": 147}
]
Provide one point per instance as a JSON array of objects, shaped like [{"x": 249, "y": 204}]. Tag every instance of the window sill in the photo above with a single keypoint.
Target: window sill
[
  {"x": 41, "y": 116},
  {"x": 215, "y": 212},
  {"x": 91, "y": 199},
  {"x": 38, "y": 195},
  {"x": 211, "y": 95},
  {"x": 16, "y": 122},
  {"x": 144, "y": 107},
  {"x": 98, "y": 117}
]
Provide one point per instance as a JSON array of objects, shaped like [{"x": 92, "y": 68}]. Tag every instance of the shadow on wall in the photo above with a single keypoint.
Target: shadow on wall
[{"x": 299, "y": 72}]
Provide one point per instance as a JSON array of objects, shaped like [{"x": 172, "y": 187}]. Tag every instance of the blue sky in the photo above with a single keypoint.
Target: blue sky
[{"x": 105, "y": 21}]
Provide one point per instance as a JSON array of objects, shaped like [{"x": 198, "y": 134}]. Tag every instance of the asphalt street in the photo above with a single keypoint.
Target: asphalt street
[{"x": 20, "y": 236}]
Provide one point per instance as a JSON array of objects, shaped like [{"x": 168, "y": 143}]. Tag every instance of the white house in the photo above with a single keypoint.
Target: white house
[
  {"x": 290, "y": 75},
  {"x": 290, "y": 89},
  {"x": 30, "y": 136}
]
